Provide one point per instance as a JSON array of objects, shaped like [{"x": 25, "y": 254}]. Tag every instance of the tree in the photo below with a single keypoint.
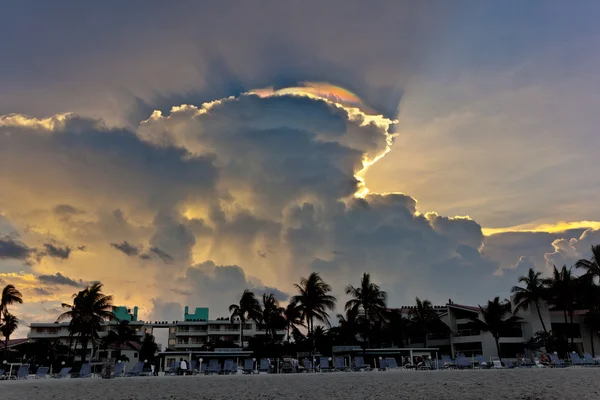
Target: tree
[
  {"x": 122, "y": 335},
  {"x": 561, "y": 292},
  {"x": 293, "y": 317},
  {"x": 591, "y": 266},
  {"x": 10, "y": 323},
  {"x": 10, "y": 295},
  {"x": 88, "y": 312},
  {"x": 272, "y": 315},
  {"x": 248, "y": 308},
  {"x": 533, "y": 292},
  {"x": 495, "y": 320},
  {"x": 313, "y": 300},
  {"x": 148, "y": 348},
  {"x": 425, "y": 319},
  {"x": 370, "y": 298}
]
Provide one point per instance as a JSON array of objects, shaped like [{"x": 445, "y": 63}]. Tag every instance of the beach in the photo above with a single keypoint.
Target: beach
[{"x": 542, "y": 384}]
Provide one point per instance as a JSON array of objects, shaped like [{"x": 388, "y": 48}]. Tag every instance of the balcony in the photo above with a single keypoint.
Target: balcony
[{"x": 467, "y": 332}]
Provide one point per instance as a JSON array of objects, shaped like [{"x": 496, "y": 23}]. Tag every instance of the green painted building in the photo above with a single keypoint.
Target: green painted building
[
  {"x": 124, "y": 314},
  {"x": 201, "y": 314}
]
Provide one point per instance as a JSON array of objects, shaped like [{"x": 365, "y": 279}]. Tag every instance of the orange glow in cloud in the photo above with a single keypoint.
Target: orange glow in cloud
[{"x": 550, "y": 228}]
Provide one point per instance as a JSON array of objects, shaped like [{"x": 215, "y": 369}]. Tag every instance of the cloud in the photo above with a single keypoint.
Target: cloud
[
  {"x": 126, "y": 248},
  {"x": 60, "y": 279},
  {"x": 43, "y": 291},
  {"x": 11, "y": 248},
  {"x": 51, "y": 250}
]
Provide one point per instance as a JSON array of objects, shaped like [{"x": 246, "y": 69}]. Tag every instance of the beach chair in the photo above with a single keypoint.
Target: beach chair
[
  {"x": 340, "y": 364},
  {"x": 359, "y": 364},
  {"x": 496, "y": 363},
  {"x": 2, "y": 377},
  {"x": 22, "y": 372},
  {"x": 203, "y": 368},
  {"x": 137, "y": 370},
  {"x": 264, "y": 365},
  {"x": 537, "y": 363},
  {"x": 84, "y": 372},
  {"x": 557, "y": 362},
  {"x": 248, "y": 366},
  {"x": 287, "y": 367},
  {"x": 587, "y": 357},
  {"x": 214, "y": 367},
  {"x": 391, "y": 363},
  {"x": 382, "y": 365},
  {"x": 307, "y": 364},
  {"x": 576, "y": 361},
  {"x": 41, "y": 372},
  {"x": 324, "y": 364},
  {"x": 119, "y": 369},
  {"x": 463, "y": 362},
  {"x": 480, "y": 360},
  {"x": 230, "y": 367},
  {"x": 64, "y": 372},
  {"x": 447, "y": 362}
]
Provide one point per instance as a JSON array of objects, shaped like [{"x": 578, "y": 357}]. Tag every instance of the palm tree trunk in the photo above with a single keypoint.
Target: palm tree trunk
[
  {"x": 84, "y": 343},
  {"x": 537, "y": 305},
  {"x": 5, "y": 347},
  {"x": 570, "y": 329},
  {"x": 498, "y": 348},
  {"x": 242, "y": 334},
  {"x": 592, "y": 340}
]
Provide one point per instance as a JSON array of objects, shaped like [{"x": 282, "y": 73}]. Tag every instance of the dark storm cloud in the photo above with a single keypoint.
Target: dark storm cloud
[
  {"x": 53, "y": 251},
  {"x": 11, "y": 248},
  {"x": 60, "y": 279},
  {"x": 163, "y": 255},
  {"x": 126, "y": 248},
  {"x": 66, "y": 209}
]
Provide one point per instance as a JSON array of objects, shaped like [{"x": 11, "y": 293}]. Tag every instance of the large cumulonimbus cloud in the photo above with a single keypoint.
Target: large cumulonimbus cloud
[{"x": 252, "y": 191}]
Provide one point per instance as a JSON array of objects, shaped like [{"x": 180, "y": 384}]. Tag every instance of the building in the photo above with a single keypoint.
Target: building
[
  {"x": 467, "y": 339},
  {"x": 124, "y": 313}
]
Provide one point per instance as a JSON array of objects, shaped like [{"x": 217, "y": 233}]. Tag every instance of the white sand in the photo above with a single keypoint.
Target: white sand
[{"x": 542, "y": 384}]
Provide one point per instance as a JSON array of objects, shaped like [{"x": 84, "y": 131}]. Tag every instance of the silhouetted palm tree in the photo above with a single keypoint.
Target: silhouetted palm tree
[
  {"x": 10, "y": 323},
  {"x": 293, "y": 318},
  {"x": 122, "y": 335},
  {"x": 313, "y": 300},
  {"x": 562, "y": 292},
  {"x": 495, "y": 319},
  {"x": 425, "y": 319},
  {"x": 370, "y": 298},
  {"x": 533, "y": 292},
  {"x": 10, "y": 295},
  {"x": 272, "y": 315},
  {"x": 247, "y": 308},
  {"x": 89, "y": 310},
  {"x": 148, "y": 348},
  {"x": 591, "y": 266}
]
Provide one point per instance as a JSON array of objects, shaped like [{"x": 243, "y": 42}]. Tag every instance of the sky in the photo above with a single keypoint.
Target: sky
[{"x": 180, "y": 152}]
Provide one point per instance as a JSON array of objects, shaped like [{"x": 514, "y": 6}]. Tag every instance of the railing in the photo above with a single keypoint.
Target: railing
[{"x": 467, "y": 332}]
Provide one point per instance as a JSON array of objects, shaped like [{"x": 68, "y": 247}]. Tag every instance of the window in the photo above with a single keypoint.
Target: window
[
  {"x": 172, "y": 329},
  {"x": 172, "y": 342},
  {"x": 135, "y": 355},
  {"x": 566, "y": 330}
]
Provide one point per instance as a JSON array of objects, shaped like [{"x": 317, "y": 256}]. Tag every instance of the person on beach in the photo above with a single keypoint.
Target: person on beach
[{"x": 182, "y": 366}]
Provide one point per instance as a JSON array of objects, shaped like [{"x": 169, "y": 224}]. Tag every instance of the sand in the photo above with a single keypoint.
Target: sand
[{"x": 543, "y": 384}]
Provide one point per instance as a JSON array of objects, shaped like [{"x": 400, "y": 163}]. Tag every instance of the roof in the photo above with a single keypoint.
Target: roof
[
  {"x": 127, "y": 346},
  {"x": 463, "y": 307},
  {"x": 16, "y": 342}
]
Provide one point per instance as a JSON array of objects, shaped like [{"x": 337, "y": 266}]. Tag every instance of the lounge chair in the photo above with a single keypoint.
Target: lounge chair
[
  {"x": 214, "y": 367},
  {"x": 359, "y": 364},
  {"x": 447, "y": 362},
  {"x": 2, "y": 374},
  {"x": 264, "y": 365},
  {"x": 463, "y": 362},
  {"x": 173, "y": 369},
  {"x": 537, "y": 363},
  {"x": 230, "y": 367},
  {"x": 65, "y": 372},
  {"x": 391, "y": 363},
  {"x": 576, "y": 361},
  {"x": 587, "y": 357},
  {"x": 84, "y": 372},
  {"x": 496, "y": 363},
  {"x": 192, "y": 367},
  {"x": 425, "y": 365},
  {"x": 481, "y": 361},
  {"x": 324, "y": 364},
  {"x": 308, "y": 365},
  {"x": 248, "y": 366},
  {"x": 382, "y": 365},
  {"x": 287, "y": 367},
  {"x": 557, "y": 362},
  {"x": 22, "y": 372},
  {"x": 203, "y": 369},
  {"x": 41, "y": 372},
  {"x": 119, "y": 369},
  {"x": 137, "y": 370},
  {"x": 340, "y": 364}
]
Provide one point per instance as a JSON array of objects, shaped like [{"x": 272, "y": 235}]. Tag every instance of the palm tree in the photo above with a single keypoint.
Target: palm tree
[
  {"x": 293, "y": 317},
  {"x": 592, "y": 266},
  {"x": 495, "y": 319},
  {"x": 122, "y": 335},
  {"x": 562, "y": 292},
  {"x": 10, "y": 323},
  {"x": 425, "y": 319},
  {"x": 533, "y": 292},
  {"x": 89, "y": 310},
  {"x": 368, "y": 297},
  {"x": 10, "y": 295},
  {"x": 248, "y": 308},
  {"x": 272, "y": 315},
  {"x": 148, "y": 348},
  {"x": 313, "y": 300}
]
